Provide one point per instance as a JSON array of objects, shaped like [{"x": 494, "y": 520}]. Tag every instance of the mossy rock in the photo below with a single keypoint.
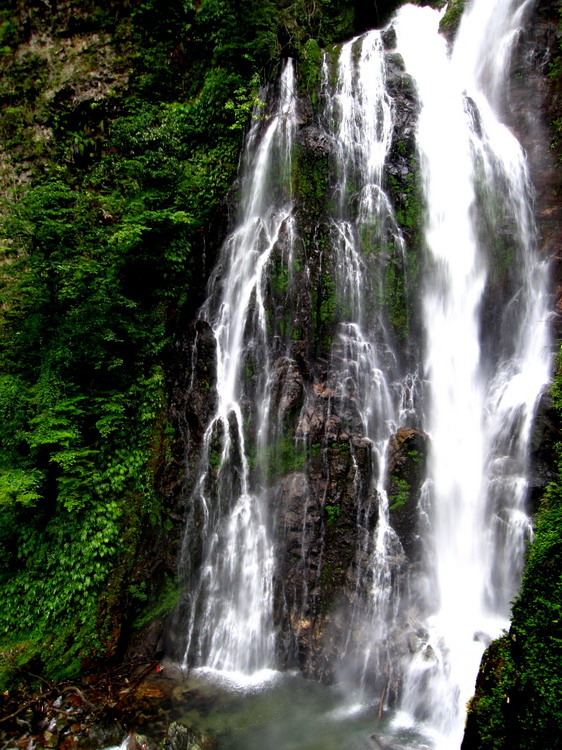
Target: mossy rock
[
  {"x": 451, "y": 20},
  {"x": 181, "y": 737},
  {"x": 407, "y": 457}
]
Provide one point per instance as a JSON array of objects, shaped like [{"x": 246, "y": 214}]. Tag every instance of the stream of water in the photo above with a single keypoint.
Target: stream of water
[
  {"x": 483, "y": 385},
  {"x": 230, "y": 625}
]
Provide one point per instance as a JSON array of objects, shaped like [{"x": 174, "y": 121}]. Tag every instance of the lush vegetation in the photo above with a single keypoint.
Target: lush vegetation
[
  {"x": 98, "y": 243},
  {"x": 121, "y": 127}
]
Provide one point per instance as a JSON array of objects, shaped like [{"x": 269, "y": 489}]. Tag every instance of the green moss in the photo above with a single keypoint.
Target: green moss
[
  {"x": 495, "y": 221},
  {"x": 15, "y": 657},
  {"x": 279, "y": 276},
  {"x": 409, "y": 210},
  {"x": 310, "y": 67},
  {"x": 285, "y": 456},
  {"x": 327, "y": 306},
  {"x": 401, "y": 273},
  {"x": 395, "y": 298},
  {"x": 400, "y": 494},
  {"x": 333, "y": 512},
  {"x": 157, "y": 604},
  {"x": 324, "y": 306},
  {"x": 311, "y": 178},
  {"x": 415, "y": 457},
  {"x": 451, "y": 19}
]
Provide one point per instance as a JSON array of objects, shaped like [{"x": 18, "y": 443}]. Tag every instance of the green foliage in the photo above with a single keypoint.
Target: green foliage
[
  {"x": 310, "y": 67},
  {"x": 158, "y": 605},
  {"x": 487, "y": 726},
  {"x": 326, "y": 21},
  {"x": 400, "y": 494},
  {"x": 244, "y": 103},
  {"x": 333, "y": 512},
  {"x": 518, "y": 701},
  {"x": 97, "y": 254},
  {"x": 537, "y": 630},
  {"x": 284, "y": 456},
  {"x": 8, "y": 32},
  {"x": 20, "y": 486}
]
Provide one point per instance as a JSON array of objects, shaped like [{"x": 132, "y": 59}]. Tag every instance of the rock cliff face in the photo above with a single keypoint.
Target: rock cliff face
[{"x": 534, "y": 108}]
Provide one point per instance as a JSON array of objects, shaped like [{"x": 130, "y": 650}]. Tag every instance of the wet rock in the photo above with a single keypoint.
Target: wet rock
[
  {"x": 317, "y": 529},
  {"x": 287, "y": 385},
  {"x": 406, "y": 462},
  {"x": 482, "y": 637},
  {"x": 148, "y": 642},
  {"x": 316, "y": 140},
  {"x": 202, "y": 398},
  {"x": 534, "y": 105},
  {"x": 137, "y": 741},
  {"x": 104, "y": 735},
  {"x": 180, "y": 737},
  {"x": 415, "y": 640},
  {"x": 544, "y": 439},
  {"x": 50, "y": 739},
  {"x": 389, "y": 38}
]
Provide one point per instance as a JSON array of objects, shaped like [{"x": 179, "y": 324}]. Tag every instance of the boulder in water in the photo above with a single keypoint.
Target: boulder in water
[{"x": 181, "y": 737}]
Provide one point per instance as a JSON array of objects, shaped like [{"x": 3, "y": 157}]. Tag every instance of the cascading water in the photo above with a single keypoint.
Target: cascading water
[
  {"x": 230, "y": 626},
  {"x": 486, "y": 351},
  {"x": 365, "y": 378}
]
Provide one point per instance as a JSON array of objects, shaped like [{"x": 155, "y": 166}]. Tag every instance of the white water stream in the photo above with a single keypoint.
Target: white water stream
[
  {"x": 366, "y": 375},
  {"x": 481, "y": 399},
  {"x": 231, "y": 625}
]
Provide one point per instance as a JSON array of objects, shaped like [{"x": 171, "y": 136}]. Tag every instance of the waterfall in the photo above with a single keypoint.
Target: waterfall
[
  {"x": 343, "y": 329},
  {"x": 230, "y": 626},
  {"x": 486, "y": 353}
]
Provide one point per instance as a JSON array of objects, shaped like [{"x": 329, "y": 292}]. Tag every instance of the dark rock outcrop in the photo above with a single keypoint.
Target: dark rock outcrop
[{"x": 406, "y": 472}]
